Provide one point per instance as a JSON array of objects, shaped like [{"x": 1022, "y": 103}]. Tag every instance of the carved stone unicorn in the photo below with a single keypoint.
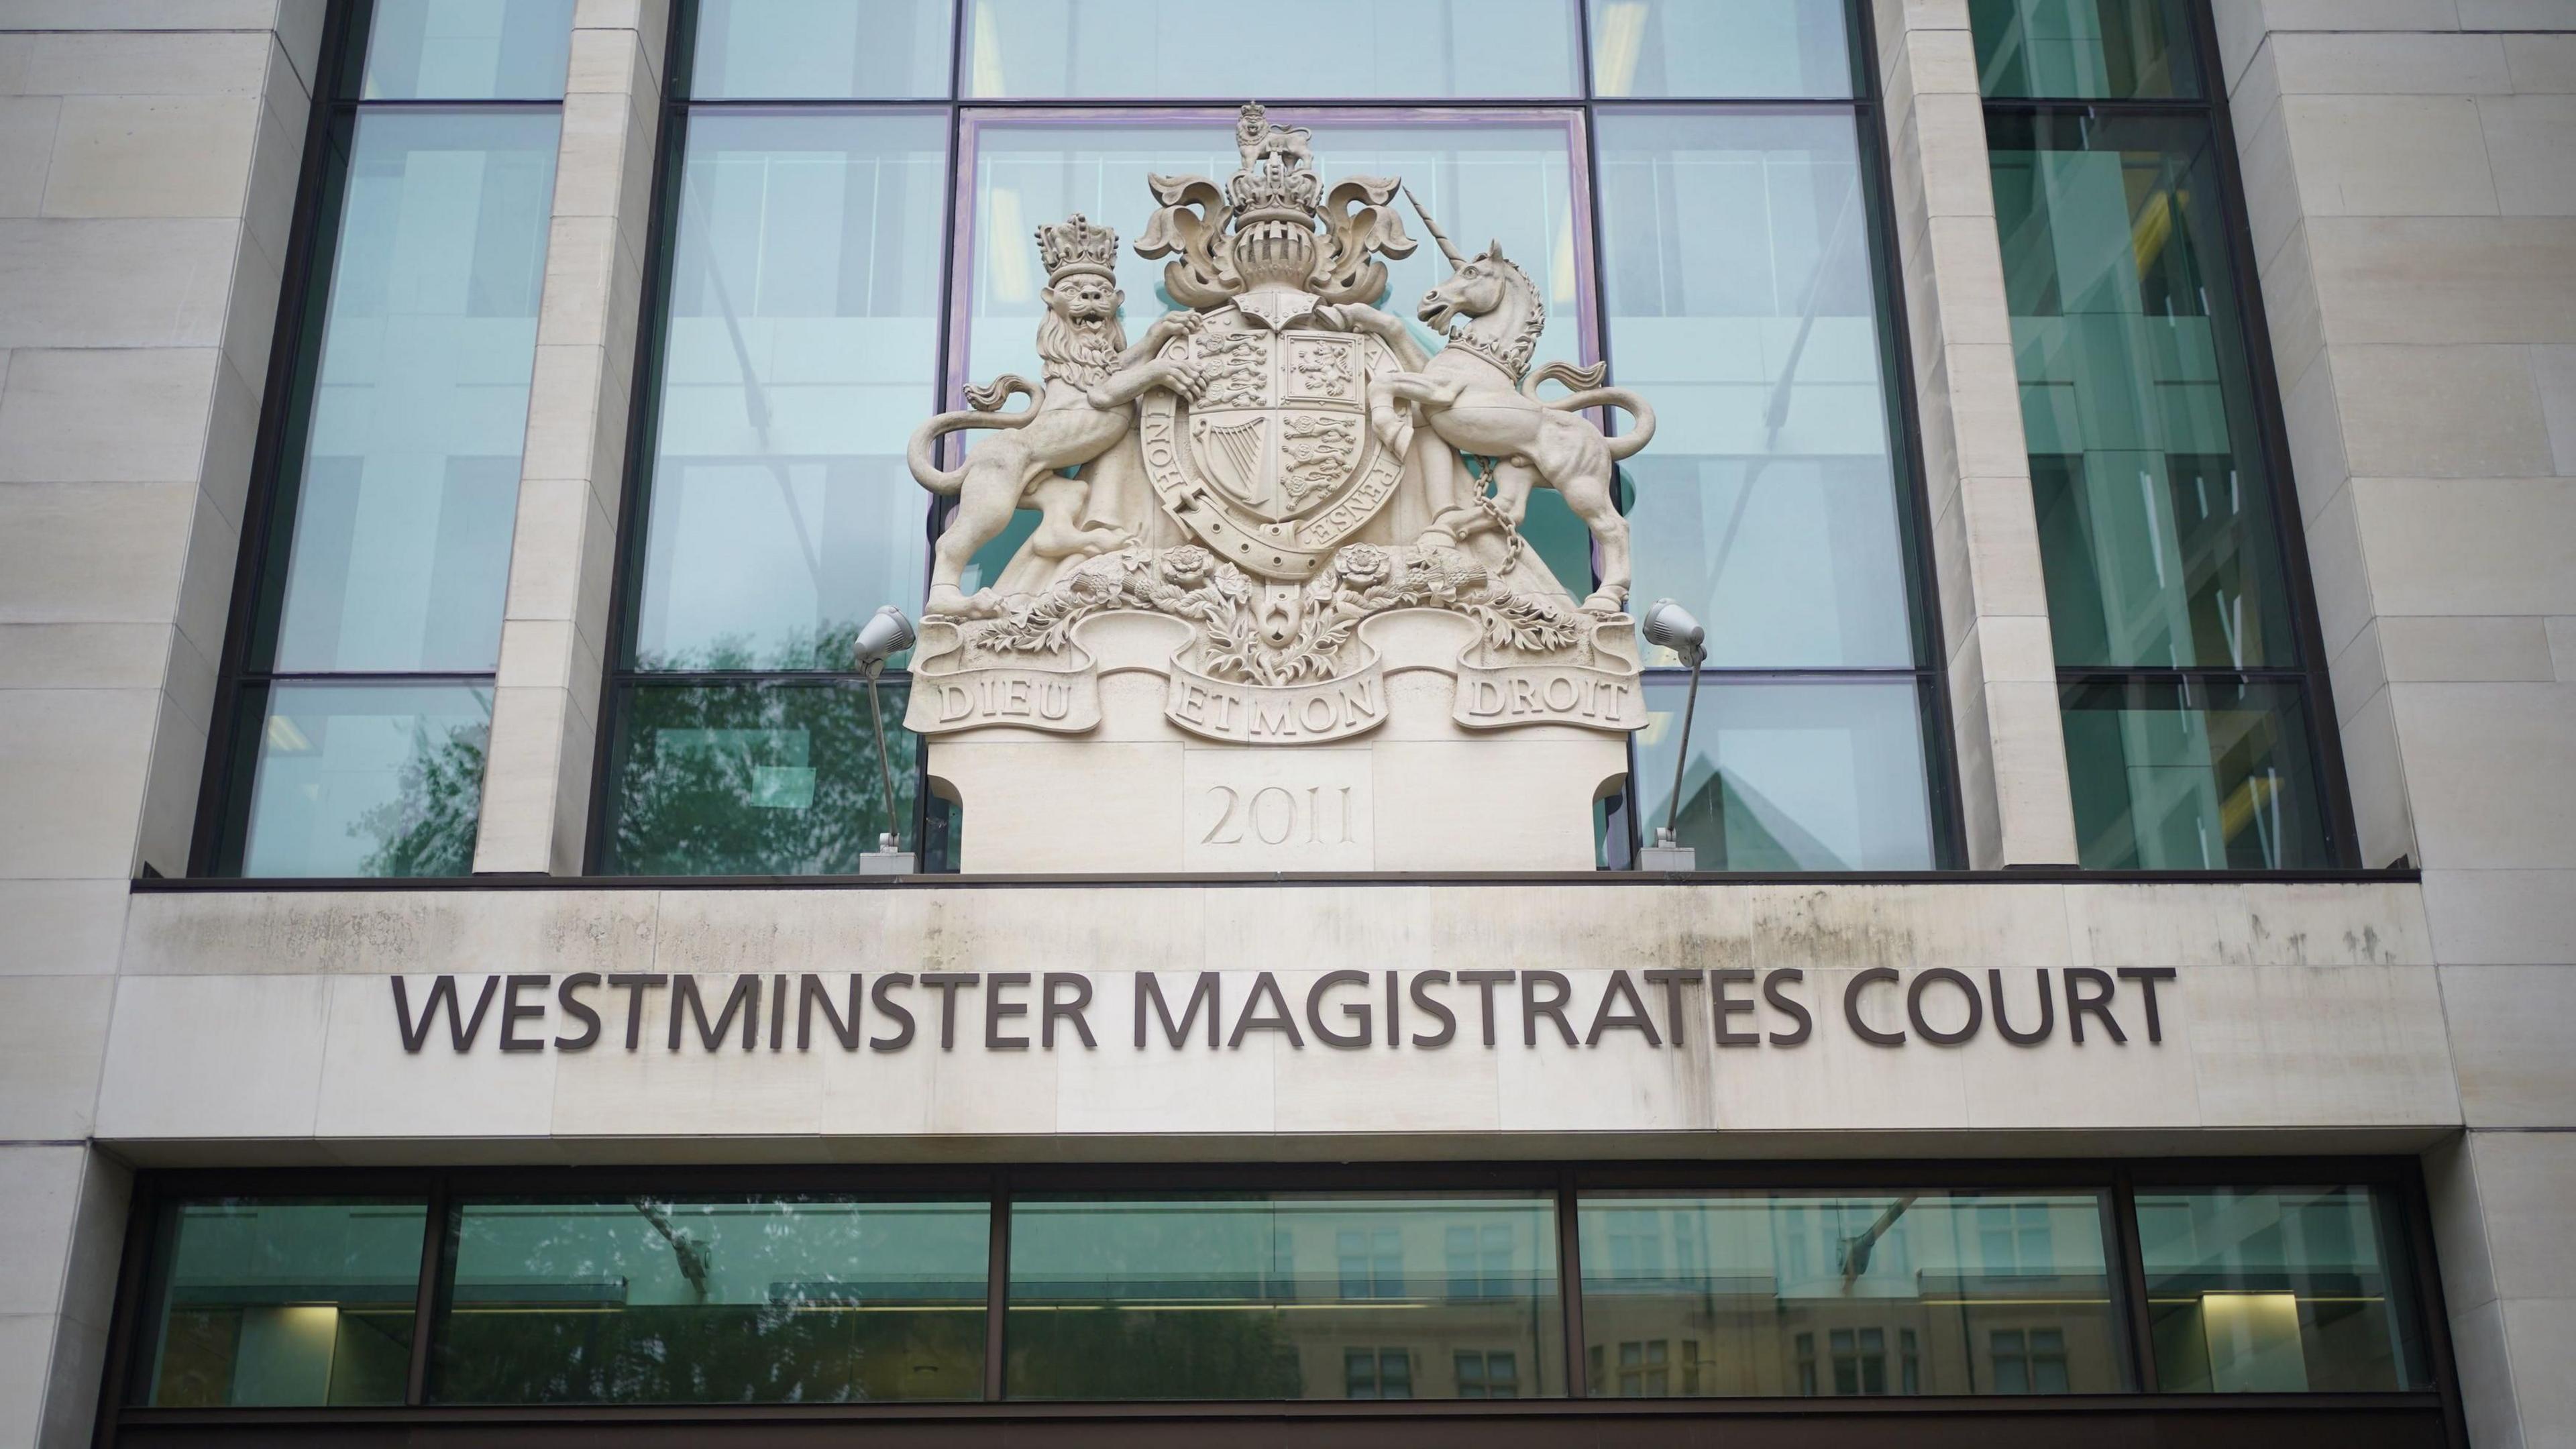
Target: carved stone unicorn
[{"x": 1478, "y": 395}]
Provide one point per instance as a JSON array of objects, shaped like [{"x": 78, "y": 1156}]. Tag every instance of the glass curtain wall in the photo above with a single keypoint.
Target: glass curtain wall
[
  {"x": 1272, "y": 1288},
  {"x": 2188, "y": 683},
  {"x": 360, "y": 687},
  {"x": 1694, "y": 184}
]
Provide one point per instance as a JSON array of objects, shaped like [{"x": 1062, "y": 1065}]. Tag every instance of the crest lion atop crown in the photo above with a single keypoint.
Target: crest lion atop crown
[{"x": 1076, "y": 245}]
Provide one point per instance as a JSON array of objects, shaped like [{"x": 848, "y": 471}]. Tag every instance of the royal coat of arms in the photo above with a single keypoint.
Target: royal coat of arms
[{"x": 1278, "y": 501}]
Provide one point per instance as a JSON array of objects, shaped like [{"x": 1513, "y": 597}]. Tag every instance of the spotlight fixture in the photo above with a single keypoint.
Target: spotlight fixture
[
  {"x": 1671, "y": 626},
  {"x": 886, "y": 633}
]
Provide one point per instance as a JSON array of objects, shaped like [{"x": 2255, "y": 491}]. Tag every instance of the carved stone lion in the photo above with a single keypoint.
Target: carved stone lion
[{"x": 1085, "y": 407}]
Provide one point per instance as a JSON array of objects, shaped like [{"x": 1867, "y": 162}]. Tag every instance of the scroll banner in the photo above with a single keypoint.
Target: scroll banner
[
  {"x": 1062, "y": 697},
  {"x": 1062, "y": 694},
  {"x": 1278, "y": 714},
  {"x": 1503, "y": 696}
]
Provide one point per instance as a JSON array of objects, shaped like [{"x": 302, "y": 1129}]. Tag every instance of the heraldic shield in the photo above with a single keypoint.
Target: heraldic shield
[{"x": 1273, "y": 465}]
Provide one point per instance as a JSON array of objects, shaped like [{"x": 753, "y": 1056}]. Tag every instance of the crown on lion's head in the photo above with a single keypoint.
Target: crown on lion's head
[{"x": 1075, "y": 245}]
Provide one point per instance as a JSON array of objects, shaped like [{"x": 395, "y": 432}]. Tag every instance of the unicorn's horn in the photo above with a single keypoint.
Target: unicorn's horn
[{"x": 1455, "y": 261}]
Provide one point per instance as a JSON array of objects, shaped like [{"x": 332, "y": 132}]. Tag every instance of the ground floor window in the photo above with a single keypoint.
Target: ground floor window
[{"x": 440, "y": 1290}]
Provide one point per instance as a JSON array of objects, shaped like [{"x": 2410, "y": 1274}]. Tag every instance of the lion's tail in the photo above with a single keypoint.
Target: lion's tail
[
  {"x": 983, "y": 410},
  {"x": 1589, "y": 393}
]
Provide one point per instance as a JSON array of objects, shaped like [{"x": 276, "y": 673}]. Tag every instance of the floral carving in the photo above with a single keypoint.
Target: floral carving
[{"x": 1188, "y": 582}]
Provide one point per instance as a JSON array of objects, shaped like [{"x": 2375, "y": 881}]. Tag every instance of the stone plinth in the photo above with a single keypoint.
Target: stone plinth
[{"x": 1381, "y": 772}]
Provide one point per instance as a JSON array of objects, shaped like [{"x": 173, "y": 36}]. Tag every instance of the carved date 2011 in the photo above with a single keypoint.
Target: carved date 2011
[{"x": 1277, "y": 815}]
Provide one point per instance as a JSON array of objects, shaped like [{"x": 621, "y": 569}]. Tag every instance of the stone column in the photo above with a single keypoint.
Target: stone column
[
  {"x": 149, "y": 156},
  {"x": 2410, "y": 176},
  {"x": 1985, "y": 531},
  {"x": 554, "y": 631}
]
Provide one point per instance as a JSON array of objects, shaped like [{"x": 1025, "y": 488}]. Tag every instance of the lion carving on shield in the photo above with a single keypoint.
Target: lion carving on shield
[{"x": 1082, "y": 411}]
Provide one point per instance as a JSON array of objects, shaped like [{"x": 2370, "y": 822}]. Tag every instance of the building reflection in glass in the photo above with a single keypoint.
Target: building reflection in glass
[
  {"x": 1752, "y": 1294},
  {"x": 1285, "y": 1296}
]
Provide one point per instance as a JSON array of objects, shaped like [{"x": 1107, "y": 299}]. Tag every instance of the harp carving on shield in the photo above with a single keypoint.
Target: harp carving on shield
[{"x": 1231, "y": 454}]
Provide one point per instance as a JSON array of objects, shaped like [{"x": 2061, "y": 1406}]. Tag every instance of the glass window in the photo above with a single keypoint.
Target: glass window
[
  {"x": 401, "y": 548},
  {"x": 2155, "y": 506},
  {"x": 271, "y": 1301},
  {"x": 800, "y": 351},
  {"x": 1791, "y": 775},
  {"x": 1720, "y": 48},
  {"x": 1346, "y": 49},
  {"x": 765, "y": 1299},
  {"x": 820, "y": 49},
  {"x": 467, "y": 50},
  {"x": 774, "y": 778},
  {"x": 2186, "y": 712},
  {"x": 1740, "y": 301},
  {"x": 2280, "y": 1290},
  {"x": 1509, "y": 180},
  {"x": 365, "y": 779},
  {"x": 2191, "y": 774},
  {"x": 1751, "y": 1294},
  {"x": 1283, "y": 1296},
  {"x": 2084, "y": 49}
]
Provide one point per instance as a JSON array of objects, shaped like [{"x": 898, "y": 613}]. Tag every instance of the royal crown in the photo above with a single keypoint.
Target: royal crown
[
  {"x": 1276, "y": 191},
  {"x": 1075, "y": 245}
]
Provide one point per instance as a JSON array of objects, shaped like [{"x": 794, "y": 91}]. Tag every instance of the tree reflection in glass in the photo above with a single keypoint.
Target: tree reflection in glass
[{"x": 769, "y": 1299}]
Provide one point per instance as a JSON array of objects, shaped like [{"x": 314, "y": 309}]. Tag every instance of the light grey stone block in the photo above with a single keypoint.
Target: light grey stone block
[
  {"x": 125, "y": 282},
  {"x": 119, "y": 415},
  {"x": 2270, "y": 925},
  {"x": 2528, "y": 145},
  {"x": 73, "y": 792},
  {"x": 2541, "y": 64},
  {"x": 215, "y": 1056},
  {"x": 2486, "y": 1376},
  {"x": 2388, "y": 155},
  {"x": 26, "y": 1371},
  {"x": 2359, "y": 672},
  {"x": 83, "y": 656},
  {"x": 2280, "y": 1046},
  {"x": 52, "y": 1032},
  {"x": 2459, "y": 1228},
  {"x": 2420, "y": 280},
  {"x": 26, "y": 152},
  {"x": 2554, "y": 373},
  {"x": 161, "y": 60},
  {"x": 61, "y": 927},
  {"x": 2467, "y": 650},
  {"x": 2340, "y": 575},
  {"x": 2469, "y": 546},
  {"x": 2540, "y": 1341},
  {"x": 2290, "y": 302},
  {"x": 2508, "y": 1028},
  {"x": 2516, "y": 15},
  {"x": 170, "y": 790},
  {"x": 40, "y": 1189},
  {"x": 2361, "y": 63},
  {"x": 2491, "y": 770},
  {"x": 80, "y": 552},
  {"x": 2375, "y": 771},
  {"x": 370, "y": 1091},
  {"x": 2439, "y": 412},
  {"x": 71, "y": 1398},
  {"x": 2525, "y": 1181},
  {"x": 2312, "y": 422},
  {"x": 2502, "y": 916},
  {"x": 152, "y": 155}
]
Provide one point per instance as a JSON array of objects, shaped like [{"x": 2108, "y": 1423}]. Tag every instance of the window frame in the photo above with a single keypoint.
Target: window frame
[
  {"x": 928, "y": 830},
  {"x": 280, "y": 450},
  {"x": 2117, "y": 1181},
  {"x": 2309, "y": 673}
]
